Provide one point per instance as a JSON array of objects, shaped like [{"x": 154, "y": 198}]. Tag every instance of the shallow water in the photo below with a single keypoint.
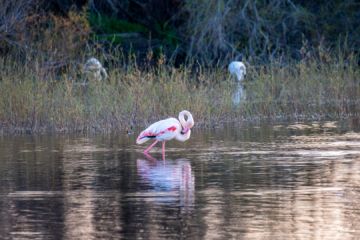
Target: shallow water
[{"x": 288, "y": 181}]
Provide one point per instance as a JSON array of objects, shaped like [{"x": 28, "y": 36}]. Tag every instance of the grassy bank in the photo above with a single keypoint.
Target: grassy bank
[{"x": 33, "y": 100}]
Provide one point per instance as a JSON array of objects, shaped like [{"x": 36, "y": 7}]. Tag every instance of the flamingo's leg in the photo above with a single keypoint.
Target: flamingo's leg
[
  {"x": 164, "y": 147},
  {"x": 164, "y": 152},
  {"x": 151, "y": 146},
  {"x": 150, "y": 158},
  {"x": 242, "y": 92},
  {"x": 85, "y": 78}
]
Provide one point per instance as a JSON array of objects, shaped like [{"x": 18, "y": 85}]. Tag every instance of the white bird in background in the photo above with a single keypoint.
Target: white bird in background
[
  {"x": 168, "y": 129},
  {"x": 94, "y": 67},
  {"x": 238, "y": 69}
]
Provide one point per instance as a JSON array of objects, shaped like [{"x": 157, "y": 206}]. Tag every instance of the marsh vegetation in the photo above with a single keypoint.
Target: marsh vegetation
[{"x": 32, "y": 100}]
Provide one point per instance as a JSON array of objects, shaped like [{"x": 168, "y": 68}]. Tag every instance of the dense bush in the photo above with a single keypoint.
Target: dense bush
[
  {"x": 223, "y": 30},
  {"x": 211, "y": 31}
]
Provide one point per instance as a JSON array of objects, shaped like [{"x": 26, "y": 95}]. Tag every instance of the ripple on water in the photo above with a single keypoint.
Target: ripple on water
[{"x": 289, "y": 181}]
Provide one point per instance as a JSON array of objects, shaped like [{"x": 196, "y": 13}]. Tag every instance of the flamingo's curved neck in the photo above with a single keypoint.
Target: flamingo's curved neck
[
  {"x": 182, "y": 119},
  {"x": 183, "y": 136},
  {"x": 186, "y": 125}
]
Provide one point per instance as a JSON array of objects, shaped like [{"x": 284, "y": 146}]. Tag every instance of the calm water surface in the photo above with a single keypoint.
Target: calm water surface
[{"x": 289, "y": 181}]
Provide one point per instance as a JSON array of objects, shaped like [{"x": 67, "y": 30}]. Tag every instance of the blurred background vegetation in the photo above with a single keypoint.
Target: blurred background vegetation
[{"x": 209, "y": 31}]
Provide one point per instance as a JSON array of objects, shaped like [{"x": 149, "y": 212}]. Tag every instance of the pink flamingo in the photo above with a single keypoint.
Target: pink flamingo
[{"x": 168, "y": 129}]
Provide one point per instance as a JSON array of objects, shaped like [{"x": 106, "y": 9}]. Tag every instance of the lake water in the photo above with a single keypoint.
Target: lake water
[{"x": 284, "y": 181}]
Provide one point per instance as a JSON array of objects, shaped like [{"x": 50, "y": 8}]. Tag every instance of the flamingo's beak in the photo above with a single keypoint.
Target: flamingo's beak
[{"x": 185, "y": 130}]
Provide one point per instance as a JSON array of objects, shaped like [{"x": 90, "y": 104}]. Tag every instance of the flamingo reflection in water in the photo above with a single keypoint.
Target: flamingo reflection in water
[{"x": 173, "y": 180}]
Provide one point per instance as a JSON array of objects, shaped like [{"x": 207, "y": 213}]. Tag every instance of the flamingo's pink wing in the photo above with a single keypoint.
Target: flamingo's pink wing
[{"x": 162, "y": 130}]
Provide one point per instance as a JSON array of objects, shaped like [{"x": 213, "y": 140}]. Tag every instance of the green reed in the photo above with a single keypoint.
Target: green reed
[{"x": 34, "y": 100}]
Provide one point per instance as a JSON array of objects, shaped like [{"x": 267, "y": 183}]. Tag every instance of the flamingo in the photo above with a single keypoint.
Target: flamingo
[
  {"x": 238, "y": 69},
  {"x": 168, "y": 129},
  {"x": 94, "y": 66}
]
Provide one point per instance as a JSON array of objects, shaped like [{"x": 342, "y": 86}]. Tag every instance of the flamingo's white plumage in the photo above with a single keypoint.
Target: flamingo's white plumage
[
  {"x": 238, "y": 69},
  {"x": 168, "y": 129},
  {"x": 94, "y": 67}
]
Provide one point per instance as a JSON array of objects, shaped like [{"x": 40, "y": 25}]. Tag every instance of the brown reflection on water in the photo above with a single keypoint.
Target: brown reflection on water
[
  {"x": 290, "y": 181},
  {"x": 304, "y": 213},
  {"x": 79, "y": 194}
]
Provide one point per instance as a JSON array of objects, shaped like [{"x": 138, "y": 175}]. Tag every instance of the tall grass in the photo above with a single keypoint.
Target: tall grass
[{"x": 31, "y": 101}]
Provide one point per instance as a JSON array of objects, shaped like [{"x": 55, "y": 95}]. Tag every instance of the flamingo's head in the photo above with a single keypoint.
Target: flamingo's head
[
  {"x": 244, "y": 70},
  {"x": 186, "y": 129},
  {"x": 237, "y": 68},
  {"x": 189, "y": 121}
]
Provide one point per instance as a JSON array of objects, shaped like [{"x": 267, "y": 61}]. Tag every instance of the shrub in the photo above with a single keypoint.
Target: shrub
[{"x": 325, "y": 85}]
